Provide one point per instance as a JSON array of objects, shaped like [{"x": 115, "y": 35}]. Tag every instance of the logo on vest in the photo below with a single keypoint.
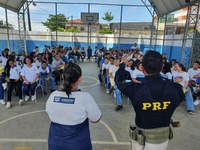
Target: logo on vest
[
  {"x": 156, "y": 106},
  {"x": 64, "y": 100}
]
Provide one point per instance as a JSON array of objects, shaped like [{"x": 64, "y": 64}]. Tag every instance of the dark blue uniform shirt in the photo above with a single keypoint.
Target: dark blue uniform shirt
[{"x": 154, "y": 100}]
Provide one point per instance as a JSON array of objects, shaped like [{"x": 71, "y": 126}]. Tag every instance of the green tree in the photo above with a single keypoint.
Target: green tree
[
  {"x": 108, "y": 17},
  {"x": 3, "y": 25},
  {"x": 105, "y": 31},
  {"x": 51, "y": 22},
  {"x": 72, "y": 29}
]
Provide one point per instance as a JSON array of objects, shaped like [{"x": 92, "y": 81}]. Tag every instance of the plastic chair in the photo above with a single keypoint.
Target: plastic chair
[
  {"x": 39, "y": 85},
  {"x": 198, "y": 80}
]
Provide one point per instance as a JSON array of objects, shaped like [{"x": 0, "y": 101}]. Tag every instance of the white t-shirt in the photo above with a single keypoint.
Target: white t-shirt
[
  {"x": 56, "y": 63},
  {"x": 137, "y": 74},
  {"x": 30, "y": 73},
  {"x": 168, "y": 75},
  {"x": 38, "y": 63},
  {"x": 113, "y": 69},
  {"x": 4, "y": 60},
  {"x": 192, "y": 73},
  {"x": 15, "y": 72},
  {"x": 128, "y": 69},
  {"x": 106, "y": 66},
  {"x": 73, "y": 110},
  {"x": 180, "y": 78}
]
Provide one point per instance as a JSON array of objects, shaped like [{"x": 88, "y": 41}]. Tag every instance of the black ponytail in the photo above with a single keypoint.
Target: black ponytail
[{"x": 71, "y": 74}]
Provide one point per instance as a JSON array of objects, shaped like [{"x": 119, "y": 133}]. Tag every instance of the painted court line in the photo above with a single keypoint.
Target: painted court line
[
  {"x": 97, "y": 82},
  {"x": 39, "y": 111},
  {"x": 45, "y": 141},
  {"x": 110, "y": 130},
  {"x": 23, "y": 148}
]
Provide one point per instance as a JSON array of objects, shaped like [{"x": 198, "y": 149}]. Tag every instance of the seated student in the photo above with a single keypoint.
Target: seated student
[
  {"x": 4, "y": 58},
  {"x": 30, "y": 74},
  {"x": 57, "y": 66},
  {"x": 181, "y": 76},
  {"x": 103, "y": 71},
  {"x": 13, "y": 79},
  {"x": 83, "y": 54},
  {"x": 70, "y": 111},
  {"x": 112, "y": 72},
  {"x": 64, "y": 58},
  {"x": 2, "y": 80},
  {"x": 39, "y": 60},
  {"x": 194, "y": 73},
  {"x": 166, "y": 70},
  {"x": 46, "y": 76},
  {"x": 137, "y": 75}
]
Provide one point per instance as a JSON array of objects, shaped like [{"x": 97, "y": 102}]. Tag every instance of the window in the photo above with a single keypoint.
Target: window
[{"x": 82, "y": 28}]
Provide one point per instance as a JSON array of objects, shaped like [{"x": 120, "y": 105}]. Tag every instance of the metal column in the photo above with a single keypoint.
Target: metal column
[
  {"x": 22, "y": 30},
  {"x": 89, "y": 29},
  {"x": 189, "y": 39},
  {"x": 56, "y": 12},
  {"x": 28, "y": 15},
  {"x": 164, "y": 34},
  {"x": 120, "y": 27},
  {"x": 154, "y": 32},
  {"x": 8, "y": 36}
]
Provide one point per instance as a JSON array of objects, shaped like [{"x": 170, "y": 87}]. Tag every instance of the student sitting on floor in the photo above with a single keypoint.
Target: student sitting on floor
[
  {"x": 46, "y": 76},
  {"x": 30, "y": 74},
  {"x": 14, "y": 79}
]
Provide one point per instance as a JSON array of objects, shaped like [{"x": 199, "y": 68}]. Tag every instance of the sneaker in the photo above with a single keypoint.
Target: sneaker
[
  {"x": 107, "y": 91},
  {"x": 8, "y": 105},
  {"x": 21, "y": 102},
  {"x": 191, "y": 112},
  {"x": 4, "y": 86},
  {"x": 196, "y": 102},
  {"x": 33, "y": 98},
  {"x": 2, "y": 102},
  {"x": 26, "y": 98},
  {"x": 119, "y": 107}
]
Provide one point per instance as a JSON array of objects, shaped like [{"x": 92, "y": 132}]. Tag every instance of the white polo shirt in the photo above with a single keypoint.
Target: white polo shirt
[
  {"x": 137, "y": 74},
  {"x": 73, "y": 110},
  {"x": 192, "y": 73},
  {"x": 30, "y": 73},
  {"x": 44, "y": 71},
  {"x": 113, "y": 69},
  {"x": 4, "y": 60},
  {"x": 15, "y": 72}
]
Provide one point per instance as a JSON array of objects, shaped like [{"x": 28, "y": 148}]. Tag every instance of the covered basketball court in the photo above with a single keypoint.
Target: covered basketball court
[{"x": 26, "y": 127}]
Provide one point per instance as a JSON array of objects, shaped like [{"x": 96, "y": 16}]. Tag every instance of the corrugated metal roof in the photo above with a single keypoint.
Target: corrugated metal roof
[
  {"x": 13, "y": 5},
  {"x": 163, "y": 7}
]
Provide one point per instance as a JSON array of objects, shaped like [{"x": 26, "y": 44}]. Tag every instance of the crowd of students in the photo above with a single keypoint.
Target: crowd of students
[
  {"x": 25, "y": 72},
  {"x": 108, "y": 62}
]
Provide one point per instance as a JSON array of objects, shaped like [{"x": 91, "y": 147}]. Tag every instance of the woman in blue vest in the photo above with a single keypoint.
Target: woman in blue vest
[{"x": 70, "y": 111}]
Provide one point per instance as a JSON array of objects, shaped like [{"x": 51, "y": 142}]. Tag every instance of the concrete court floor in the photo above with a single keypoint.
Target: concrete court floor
[{"x": 26, "y": 127}]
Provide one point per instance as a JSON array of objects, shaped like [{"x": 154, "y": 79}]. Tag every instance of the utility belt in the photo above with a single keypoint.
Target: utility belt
[{"x": 153, "y": 136}]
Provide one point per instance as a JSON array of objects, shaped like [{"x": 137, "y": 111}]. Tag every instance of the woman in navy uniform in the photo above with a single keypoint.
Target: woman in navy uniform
[{"x": 70, "y": 111}]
